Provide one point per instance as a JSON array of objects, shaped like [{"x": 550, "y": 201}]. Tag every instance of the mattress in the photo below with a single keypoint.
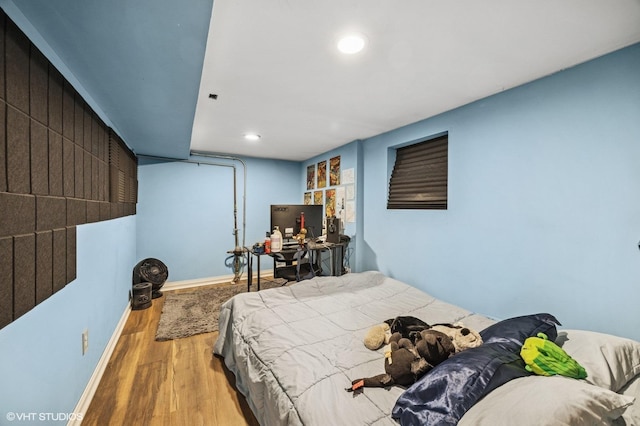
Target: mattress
[{"x": 295, "y": 350}]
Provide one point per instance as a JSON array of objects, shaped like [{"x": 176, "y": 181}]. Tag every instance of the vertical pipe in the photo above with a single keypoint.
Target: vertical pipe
[
  {"x": 244, "y": 190},
  {"x": 238, "y": 250}
]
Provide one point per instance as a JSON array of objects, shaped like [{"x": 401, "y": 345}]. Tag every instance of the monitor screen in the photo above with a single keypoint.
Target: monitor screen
[{"x": 287, "y": 218}]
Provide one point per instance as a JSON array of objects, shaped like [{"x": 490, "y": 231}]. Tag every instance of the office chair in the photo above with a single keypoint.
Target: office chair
[{"x": 297, "y": 267}]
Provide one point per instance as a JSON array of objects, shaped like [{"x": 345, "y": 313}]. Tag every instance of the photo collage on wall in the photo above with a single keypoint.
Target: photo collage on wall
[{"x": 338, "y": 198}]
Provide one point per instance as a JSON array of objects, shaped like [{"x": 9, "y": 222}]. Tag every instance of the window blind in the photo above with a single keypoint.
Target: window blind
[{"x": 419, "y": 176}]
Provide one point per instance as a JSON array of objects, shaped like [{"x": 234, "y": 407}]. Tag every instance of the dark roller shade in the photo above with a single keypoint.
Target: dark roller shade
[{"x": 419, "y": 177}]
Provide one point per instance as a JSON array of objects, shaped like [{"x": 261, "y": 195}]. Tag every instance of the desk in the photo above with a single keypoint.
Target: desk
[
  {"x": 336, "y": 255},
  {"x": 336, "y": 259},
  {"x": 250, "y": 269}
]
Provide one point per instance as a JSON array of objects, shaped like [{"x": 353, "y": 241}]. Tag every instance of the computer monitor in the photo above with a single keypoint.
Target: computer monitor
[{"x": 287, "y": 218}]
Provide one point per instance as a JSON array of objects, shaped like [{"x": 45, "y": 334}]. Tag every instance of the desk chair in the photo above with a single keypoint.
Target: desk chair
[{"x": 297, "y": 267}]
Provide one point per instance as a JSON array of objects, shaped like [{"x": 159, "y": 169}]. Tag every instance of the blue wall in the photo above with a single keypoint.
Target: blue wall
[
  {"x": 42, "y": 368},
  {"x": 544, "y": 201},
  {"x": 186, "y": 211}
]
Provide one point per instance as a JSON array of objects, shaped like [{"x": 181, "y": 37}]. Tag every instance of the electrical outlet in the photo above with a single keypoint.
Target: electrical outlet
[{"x": 85, "y": 341}]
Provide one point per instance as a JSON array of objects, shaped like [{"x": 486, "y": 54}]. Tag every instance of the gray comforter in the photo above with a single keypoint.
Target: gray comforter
[{"x": 295, "y": 349}]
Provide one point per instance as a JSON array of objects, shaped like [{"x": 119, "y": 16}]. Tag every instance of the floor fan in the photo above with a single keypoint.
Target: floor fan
[{"x": 153, "y": 271}]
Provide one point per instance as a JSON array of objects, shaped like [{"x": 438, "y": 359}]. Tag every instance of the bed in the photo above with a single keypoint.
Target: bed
[{"x": 295, "y": 349}]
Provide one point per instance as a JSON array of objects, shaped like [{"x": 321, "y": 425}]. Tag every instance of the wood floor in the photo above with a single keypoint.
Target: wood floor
[{"x": 177, "y": 382}]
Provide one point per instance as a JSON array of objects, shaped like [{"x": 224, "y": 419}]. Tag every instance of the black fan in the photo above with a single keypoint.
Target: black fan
[{"x": 152, "y": 271}]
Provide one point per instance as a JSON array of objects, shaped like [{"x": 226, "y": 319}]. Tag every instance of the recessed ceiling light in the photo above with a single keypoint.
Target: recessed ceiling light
[
  {"x": 252, "y": 136},
  {"x": 352, "y": 43}
]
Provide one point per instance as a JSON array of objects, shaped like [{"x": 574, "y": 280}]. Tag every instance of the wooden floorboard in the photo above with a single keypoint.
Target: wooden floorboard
[{"x": 174, "y": 383}]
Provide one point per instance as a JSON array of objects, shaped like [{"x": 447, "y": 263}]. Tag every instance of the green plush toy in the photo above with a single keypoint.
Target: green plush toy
[{"x": 543, "y": 357}]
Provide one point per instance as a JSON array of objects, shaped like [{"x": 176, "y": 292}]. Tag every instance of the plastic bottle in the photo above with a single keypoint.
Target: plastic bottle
[
  {"x": 267, "y": 244},
  {"x": 276, "y": 240}
]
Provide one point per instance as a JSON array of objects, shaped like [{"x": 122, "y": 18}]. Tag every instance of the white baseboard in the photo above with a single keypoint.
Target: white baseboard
[
  {"x": 222, "y": 279},
  {"x": 94, "y": 381}
]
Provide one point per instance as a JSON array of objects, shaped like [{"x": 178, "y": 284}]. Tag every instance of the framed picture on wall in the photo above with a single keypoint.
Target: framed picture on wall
[
  {"x": 330, "y": 202},
  {"x": 334, "y": 171},
  {"x": 322, "y": 174},
  {"x": 318, "y": 197},
  {"x": 307, "y": 198},
  {"x": 311, "y": 176}
]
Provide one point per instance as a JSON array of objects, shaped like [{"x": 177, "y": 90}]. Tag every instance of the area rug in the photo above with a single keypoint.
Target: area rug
[{"x": 187, "y": 313}]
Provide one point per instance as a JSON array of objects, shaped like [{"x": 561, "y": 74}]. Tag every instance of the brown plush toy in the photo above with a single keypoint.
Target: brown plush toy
[
  {"x": 405, "y": 363},
  {"x": 434, "y": 346}
]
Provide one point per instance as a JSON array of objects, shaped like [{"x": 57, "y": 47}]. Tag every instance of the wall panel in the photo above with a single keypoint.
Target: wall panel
[
  {"x": 18, "y": 214},
  {"x": 55, "y": 155},
  {"x": 24, "y": 278},
  {"x": 2, "y": 54},
  {"x": 55, "y": 164},
  {"x": 6, "y": 281},
  {"x": 39, "y": 159},
  {"x": 17, "y": 68},
  {"x": 39, "y": 87},
  {"x": 44, "y": 265},
  {"x": 68, "y": 168},
  {"x": 55, "y": 100},
  {"x": 59, "y": 254},
  {"x": 80, "y": 172},
  {"x": 51, "y": 212},
  {"x": 3, "y": 144},
  {"x": 18, "y": 175}
]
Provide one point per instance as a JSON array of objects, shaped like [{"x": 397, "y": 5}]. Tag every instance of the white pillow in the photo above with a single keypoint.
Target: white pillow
[
  {"x": 542, "y": 400},
  {"x": 610, "y": 361}
]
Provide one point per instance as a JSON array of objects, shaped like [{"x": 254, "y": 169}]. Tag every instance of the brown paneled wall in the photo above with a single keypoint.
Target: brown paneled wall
[{"x": 60, "y": 166}]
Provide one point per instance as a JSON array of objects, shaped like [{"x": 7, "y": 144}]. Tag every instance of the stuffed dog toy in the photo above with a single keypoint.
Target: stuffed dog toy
[{"x": 405, "y": 362}]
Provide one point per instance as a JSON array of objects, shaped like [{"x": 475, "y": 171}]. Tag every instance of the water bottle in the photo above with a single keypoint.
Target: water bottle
[
  {"x": 267, "y": 243},
  {"x": 276, "y": 240}
]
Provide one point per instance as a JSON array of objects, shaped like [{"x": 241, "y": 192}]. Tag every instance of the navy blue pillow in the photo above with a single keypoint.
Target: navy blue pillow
[
  {"x": 516, "y": 330},
  {"x": 444, "y": 394}
]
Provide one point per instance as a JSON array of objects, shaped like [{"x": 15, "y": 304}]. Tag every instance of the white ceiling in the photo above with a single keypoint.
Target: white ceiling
[
  {"x": 275, "y": 69},
  {"x": 277, "y": 72}
]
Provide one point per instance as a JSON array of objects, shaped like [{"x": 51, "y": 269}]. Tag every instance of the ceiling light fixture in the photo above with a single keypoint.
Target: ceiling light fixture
[
  {"x": 252, "y": 136},
  {"x": 352, "y": 43}
]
